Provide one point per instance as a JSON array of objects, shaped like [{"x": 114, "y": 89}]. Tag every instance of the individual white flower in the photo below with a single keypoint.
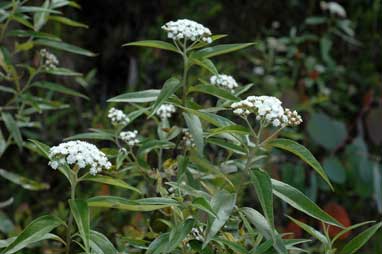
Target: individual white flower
[
  {"x": 78, "y": 153},
  {"x": 130, "y": 137},
  {"x": 117, "y": 117},
  {"x": 188, "y": 30},
  {"x": 267, "y": 109},
  {"x": 48, "y": 59},
  {"x": 224, "y": 81},
  {"x": 259, "y": 70},
  {"x": 334, "y": 8},
  {"x": 166, "y": 111}
]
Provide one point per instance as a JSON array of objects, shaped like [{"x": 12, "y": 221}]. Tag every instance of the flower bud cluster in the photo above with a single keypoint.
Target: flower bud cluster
[
  {"x": 130, "y": 137},
  {"x": 294, "y": 118},
  {"x": 224, "y": 81},
  {"x": 78, "y": 153},
  {"x": 187, "y": 138},
  {"x": 267, "y": 109},
  {"x": 48, "y": 59},
  {"x": 166, "y": 111},
  {"x": 117, "y": 117},
  {"x": 188, "y": 30}
]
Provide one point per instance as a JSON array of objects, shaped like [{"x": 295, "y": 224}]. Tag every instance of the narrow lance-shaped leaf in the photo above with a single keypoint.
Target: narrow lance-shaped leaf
[
  {"x": 168, "y": 89},
  {"x": 263, "y": 186},
  {"x": 153, "y": 44},
  {"x": 100, "y": 244},
  {"x": 110, "y": 181},
  {"x": 33, "y": 233},
  {"x": 298, "y": 200},
  {"x": 302, "y": 153},
  {"x": 222, "y": 203},
  {"x": 137, "y": 97},
  {"x": 220, "y": 50},
  {"x": 262, "y": 225},
  {"x": 196, "y": 130},
  {"x": 64, "y": 46},
  {"x": 58, "y": 88},
  {"x": 80, "y": 212},
  {"x": 317, "y": 234},
  {"x": 13, "y": 129},
  {"x": 357, "y": 242},
  {"x": 178, "y": 234},
  {"x": 213, "y": 90},
  {"x": 140, "y": 205},
  {"x": 24, "y": 182}
]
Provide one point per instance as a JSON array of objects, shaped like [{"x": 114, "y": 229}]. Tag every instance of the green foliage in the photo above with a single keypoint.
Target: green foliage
[{"x": 185, "y": 181}]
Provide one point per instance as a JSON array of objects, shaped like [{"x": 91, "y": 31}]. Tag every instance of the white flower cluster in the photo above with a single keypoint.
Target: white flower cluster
[
  {"x": 78, "y": 153},
  {"x": 188, "y": 30},
  {"x": 334, "y": 8},
  {"x": 117, "y": 117},
  {"x": 267, "y": 109},
  {"x": 224, "y": 81},
  {"x": 48, "y": 59},
  {"x": 166, "y": 111},
  {"x": 130, "y": 137}
]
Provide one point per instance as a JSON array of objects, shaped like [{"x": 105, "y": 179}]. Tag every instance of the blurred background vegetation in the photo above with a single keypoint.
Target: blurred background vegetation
[{"x": 328, "y": 67}]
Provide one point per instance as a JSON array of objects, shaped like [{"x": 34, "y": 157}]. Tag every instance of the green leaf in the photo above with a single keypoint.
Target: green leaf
[
  {"x": 92, "y": 135},
  {"x": 110, "y": 181},
  {"x": 99, "y": 244},
  {"x": 153, "y": 44},
  {"x": 64, "y": 46},
  {"x": 33, "y": 233},
  {"x": 262, "y": 225},
  {"x": 58, "y": 88},
  {"x": 202, "y": 204},
  {"x": 326, "y": 131},
  {"x": 317, "y": 234},
  {"x": 206, "y": 64},
  {"x": 232, "y": 129},
  {"x": 178, "y": 234},
  {"x": 41, "y": 148},
  {"x": 41, "y": 17},
  {"x": 263, "y": 186},
  {"x": 80, "y": 211},
  {"x": 27, "y": 33},
  {"x": 3, "y": 144},
  {"x": 137, "y": 97},
  {"x": 222, "y": 203},
  {"x": 152, "y": 144},
  {"x": 196, "y": 130},
  {"x": 303, "y": 153},
  {"x": 140, "y": 205},
  {"x": 227, "y": 145},
  {"x": 59, "y": 71},
  {"x": 237, "y": 248},
  {"x": 298, "y": 200},
  {"x": 13, "y": 129},
  {"x": 159, "y": 245},
  {"x": 67, "y": 21},
  {"x": 24, "y": 182},
  {"x": 168, "y": 89},
  {"x": 215, "y": 91},
  {"x": 357, "y": 242},
  {"x": 348, "y": 229},
  {"x": 220, "y": 50},
  {"x": 334, "y": 169}
]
